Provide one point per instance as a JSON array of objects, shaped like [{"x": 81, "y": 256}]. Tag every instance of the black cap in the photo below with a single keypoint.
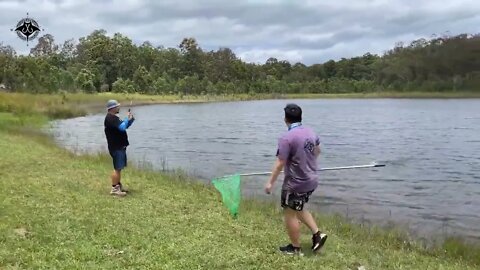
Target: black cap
[{"x": 293, "y": 113}]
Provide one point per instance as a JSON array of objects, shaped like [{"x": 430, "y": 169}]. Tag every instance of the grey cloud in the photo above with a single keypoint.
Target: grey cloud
[{"x": 310, "y": 31}]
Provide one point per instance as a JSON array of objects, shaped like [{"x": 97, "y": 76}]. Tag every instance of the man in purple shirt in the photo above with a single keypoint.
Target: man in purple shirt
[{"x": 297, "y": 152}]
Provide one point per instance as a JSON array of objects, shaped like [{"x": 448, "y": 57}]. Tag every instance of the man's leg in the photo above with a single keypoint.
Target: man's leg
[
  {"x": 307, "y": 218},
  {"x": 118, "y": 162},
  {"x": 318, "y": 238},
  {"x": 292, "y": 225},
  {"x": 123, "y": 158},
  {"x": 116, "y": 177}
]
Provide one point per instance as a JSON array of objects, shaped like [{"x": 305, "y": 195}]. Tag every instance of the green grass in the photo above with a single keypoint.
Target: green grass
[{"x": 56, "y": 213}]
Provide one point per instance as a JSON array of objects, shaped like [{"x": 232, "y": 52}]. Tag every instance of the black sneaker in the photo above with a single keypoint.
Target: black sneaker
[
  {"x": 318, "y": 240},
  {"x": 291, "y": 250}
]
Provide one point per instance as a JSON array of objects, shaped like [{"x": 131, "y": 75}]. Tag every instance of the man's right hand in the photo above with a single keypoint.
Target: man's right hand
[
  {"x": 268, "y": 187},
  {"x": 130, "y": 116}
]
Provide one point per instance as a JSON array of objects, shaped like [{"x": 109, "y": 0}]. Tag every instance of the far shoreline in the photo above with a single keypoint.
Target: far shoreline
[
  {"x": 392, "y": 95},
  {"x": 66, "y": 105}
]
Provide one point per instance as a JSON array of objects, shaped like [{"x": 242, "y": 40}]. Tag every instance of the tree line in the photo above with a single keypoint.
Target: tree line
[{"x": 99, "y": 63}]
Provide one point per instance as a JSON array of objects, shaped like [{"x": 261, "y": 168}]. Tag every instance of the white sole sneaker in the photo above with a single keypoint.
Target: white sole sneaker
[
  {"x": 319, "y": 245},
  {"x": 118, "y": 193}
]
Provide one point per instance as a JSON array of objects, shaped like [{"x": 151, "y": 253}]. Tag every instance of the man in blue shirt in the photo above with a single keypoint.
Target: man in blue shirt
[{"x": 117, "y": 139}]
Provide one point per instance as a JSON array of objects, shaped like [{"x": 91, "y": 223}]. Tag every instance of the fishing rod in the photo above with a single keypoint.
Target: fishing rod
[{"x": 373, "y": 165}]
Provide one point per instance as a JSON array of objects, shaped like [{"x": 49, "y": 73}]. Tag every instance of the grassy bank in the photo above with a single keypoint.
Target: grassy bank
[
  {"x": 56, "y": 213},
  {"x": 68, "y": 105}
]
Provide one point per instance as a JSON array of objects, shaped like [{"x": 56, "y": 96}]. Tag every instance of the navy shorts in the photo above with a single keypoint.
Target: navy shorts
[
  {"x": 294, "y": 200},
  {"x": 119, "y": 158}
]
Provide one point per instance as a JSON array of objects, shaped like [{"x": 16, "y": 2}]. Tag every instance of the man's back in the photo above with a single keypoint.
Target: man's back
[
  {"x": 297, "y": 147},
  {"x": 297, "y": 152},
  {"x": 116, "y": 139}
]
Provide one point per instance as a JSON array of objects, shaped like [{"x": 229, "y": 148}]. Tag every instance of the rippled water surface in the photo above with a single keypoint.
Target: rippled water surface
[{"x": 431, "y": 148}]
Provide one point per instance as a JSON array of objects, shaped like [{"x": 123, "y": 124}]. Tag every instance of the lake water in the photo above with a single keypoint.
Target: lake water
[{"x": 431, "y": 148}]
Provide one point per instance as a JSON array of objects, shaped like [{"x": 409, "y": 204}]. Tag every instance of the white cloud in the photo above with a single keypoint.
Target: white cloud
[{"x": 259, "y": 56}]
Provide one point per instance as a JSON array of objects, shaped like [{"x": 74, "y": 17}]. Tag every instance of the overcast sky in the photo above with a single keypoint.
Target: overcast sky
[{"x": 308, "y": 31}]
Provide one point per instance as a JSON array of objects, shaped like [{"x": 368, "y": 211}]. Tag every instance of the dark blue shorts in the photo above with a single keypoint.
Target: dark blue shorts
[{"x": 119, "y": 159}]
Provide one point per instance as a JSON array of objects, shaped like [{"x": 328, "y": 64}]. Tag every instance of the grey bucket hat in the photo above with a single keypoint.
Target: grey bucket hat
[{"x": 112, "y": 104}]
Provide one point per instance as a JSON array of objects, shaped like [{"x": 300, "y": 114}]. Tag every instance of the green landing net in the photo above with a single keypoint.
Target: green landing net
[{"x": 229, "y": 188}]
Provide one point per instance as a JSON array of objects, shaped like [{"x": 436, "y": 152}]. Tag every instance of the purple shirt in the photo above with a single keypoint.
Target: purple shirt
[{"x": 296, "y": 146}]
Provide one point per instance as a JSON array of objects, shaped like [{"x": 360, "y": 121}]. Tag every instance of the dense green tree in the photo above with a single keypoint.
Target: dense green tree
[{"x": 101, "y": 62}]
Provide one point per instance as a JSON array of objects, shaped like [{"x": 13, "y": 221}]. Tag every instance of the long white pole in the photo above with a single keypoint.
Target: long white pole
[{"x": 324, "y": 169}]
